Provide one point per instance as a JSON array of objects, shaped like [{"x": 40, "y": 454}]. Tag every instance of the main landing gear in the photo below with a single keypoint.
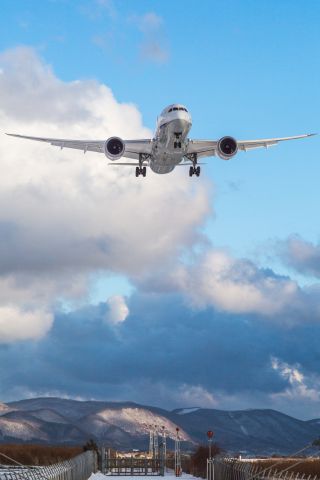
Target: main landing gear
[
  {"x": 141, "y": 171},
  {"x": 194, "y": 171}
]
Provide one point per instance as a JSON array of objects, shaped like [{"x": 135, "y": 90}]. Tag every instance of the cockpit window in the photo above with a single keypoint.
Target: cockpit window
[{"x": 177, "y": 108}]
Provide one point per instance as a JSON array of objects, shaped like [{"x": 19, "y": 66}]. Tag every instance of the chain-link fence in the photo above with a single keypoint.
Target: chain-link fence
[
  {"x": 233, "y": 469},
  {"x": 78, "y": 468}
]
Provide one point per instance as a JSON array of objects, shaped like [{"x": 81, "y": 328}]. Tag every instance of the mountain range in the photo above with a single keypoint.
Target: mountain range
[{"x": 125, "y": 425}]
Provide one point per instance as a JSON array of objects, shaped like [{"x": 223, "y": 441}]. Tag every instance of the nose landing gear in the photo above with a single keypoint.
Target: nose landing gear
[
  {"x": 177, "y": 143},
  {"x": 141, "y": 171},
  {"x": 194, "y": 171}
]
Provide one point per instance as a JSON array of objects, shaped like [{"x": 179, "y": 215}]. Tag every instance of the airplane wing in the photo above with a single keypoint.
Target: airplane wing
[
  {"x": 203, "y": 148},
  {"x": 132, "y": 147},
  {"x": 208, "y": 148},
  {"x": 268, "y": 142}
]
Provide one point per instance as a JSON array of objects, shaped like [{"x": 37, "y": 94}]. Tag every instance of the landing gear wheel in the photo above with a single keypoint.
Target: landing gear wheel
[
  {"x": 194, "y": 171},
  {"x": 141, "y": 171}
]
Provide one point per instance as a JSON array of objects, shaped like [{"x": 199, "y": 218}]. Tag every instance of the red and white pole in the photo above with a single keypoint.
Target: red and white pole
[{"x": 210, "y": 465}]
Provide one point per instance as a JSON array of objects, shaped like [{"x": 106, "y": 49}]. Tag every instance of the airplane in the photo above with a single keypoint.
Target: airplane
[{"x": 169, "y": 148}]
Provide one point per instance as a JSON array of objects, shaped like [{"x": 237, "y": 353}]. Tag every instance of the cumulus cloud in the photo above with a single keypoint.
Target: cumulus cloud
[
  {"x": 195, "y": 395},
  {"x": 168, "y": 355},
  {"x": 237, "y": 286},
  {"x": 65, "y": 215},
  {"x": 118, "y": 309},
  {"x": 16, "y": 324},
  {"x": 215, "y": 278},
  {"x": 301, "y": 255},
  {"x": 300, "y": 387}
]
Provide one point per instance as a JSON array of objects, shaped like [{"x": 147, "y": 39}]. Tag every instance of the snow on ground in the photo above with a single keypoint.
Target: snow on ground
[
  {"x": 100, "y": 476},
  {"x": 183, "y": 411},
  {"x": 244, "y": 430}
]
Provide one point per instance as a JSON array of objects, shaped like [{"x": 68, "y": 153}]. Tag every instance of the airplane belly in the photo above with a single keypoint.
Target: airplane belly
[
  {"x": 160, "y": 168},
  {"x": 164, "y": 161},
  {"x": 165, "y": 156}
]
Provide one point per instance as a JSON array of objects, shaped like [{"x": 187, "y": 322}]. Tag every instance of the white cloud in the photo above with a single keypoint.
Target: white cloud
[
  {"x": 215, "y": 278},
  {"x": 301, "y": 255},
  {"x": 65, "y": 215},
  {"x": 300, "y": 386},
  {"x": 194, "y": 396},
  {"x": 118, "y": 310},
  {"x": 16, "y": 324}
]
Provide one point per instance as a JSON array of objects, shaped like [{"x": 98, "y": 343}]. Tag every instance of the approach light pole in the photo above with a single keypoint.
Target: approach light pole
[
  {"x": 177, "y": 455},
  {"x": 155, "y": 442},
  {"x": 210, "y": 465},
  {"x": 151, "y": 436},
  {"x": 164, "y": 448}
]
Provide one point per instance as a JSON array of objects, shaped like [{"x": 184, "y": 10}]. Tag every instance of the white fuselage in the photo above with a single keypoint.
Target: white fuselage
[{"x": 170, "y": 141}]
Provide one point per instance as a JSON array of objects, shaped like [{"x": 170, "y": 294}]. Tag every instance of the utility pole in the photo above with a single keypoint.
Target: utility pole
[
  {"x": 177, "y": 455},
  {"x": 210, "y": 464}
]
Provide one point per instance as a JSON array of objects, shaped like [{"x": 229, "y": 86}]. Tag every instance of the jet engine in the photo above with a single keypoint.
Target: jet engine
[
  {"x": 114, "y": 148},
  {"x": 227, "y": 147}
]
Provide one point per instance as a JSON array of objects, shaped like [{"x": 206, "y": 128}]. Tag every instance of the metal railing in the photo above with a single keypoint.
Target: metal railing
[
  {"x": 131, "y": 465},
  {"x": 233, "y": 469},
  {"x": 134, "y": 466},
  {"x": 77, "y": 468}
]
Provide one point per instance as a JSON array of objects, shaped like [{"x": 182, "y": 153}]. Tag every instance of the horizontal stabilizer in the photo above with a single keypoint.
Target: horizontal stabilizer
[
  {"x": 137, "y": 164},
  {"x": 128, "y": 164},
  {"x": 189, "y": 164}
]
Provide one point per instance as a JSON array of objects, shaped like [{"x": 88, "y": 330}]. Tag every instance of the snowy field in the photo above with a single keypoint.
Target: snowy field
[{"x": 100, "y": 476}]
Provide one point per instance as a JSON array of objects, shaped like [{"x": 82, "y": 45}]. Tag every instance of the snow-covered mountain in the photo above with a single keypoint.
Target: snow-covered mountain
[
  {"x": 126, "y": 425},
  {"x": 4, "y": 408},
  {"x": 255, "y": 431}
]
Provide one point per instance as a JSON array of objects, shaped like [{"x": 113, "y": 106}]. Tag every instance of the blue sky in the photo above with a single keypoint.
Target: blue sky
[{"x": 234, "y": 251}]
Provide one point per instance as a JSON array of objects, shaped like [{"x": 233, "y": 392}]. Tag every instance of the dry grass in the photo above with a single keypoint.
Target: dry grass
[{"x": 37, "y": 454}]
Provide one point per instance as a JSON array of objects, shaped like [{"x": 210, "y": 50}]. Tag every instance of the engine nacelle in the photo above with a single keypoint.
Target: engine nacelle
[
  {"x": 227, "y": 147},
  {"x": 114, "y": 148}
]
